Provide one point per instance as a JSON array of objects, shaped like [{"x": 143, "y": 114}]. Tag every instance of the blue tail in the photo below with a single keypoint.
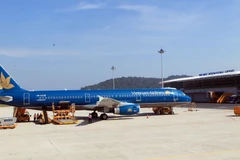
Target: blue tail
[{"x": 6, "y": 82}]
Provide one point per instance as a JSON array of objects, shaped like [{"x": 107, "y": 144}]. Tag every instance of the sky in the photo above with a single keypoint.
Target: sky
[{"x": 58, "y": 44}]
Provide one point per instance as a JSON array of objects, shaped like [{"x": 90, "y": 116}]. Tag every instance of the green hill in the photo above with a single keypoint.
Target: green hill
[{"x": 132, "y": 82}]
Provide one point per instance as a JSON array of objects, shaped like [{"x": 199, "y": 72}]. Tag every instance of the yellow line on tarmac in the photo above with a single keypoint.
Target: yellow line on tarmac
[
  {"x": 194, "y": 154},
  {"x": 228, "y": 110}
]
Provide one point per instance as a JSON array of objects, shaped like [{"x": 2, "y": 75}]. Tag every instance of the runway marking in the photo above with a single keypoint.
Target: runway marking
[
  {"x": 194, "y": 154},
  {"x": 57, "y": 149}
]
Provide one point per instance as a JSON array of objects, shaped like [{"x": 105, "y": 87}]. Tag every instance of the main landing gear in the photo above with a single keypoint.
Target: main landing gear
[
  {"x": 103, "y": 116},
  {"x": 163, "y": 110}
]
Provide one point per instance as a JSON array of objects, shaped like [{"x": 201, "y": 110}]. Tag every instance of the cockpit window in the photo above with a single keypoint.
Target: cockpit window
[{"x": 182, "y": 93}]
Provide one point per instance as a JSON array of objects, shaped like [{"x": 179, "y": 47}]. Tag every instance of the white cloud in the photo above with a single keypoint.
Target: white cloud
[
  {"x": 81, "y": 6},
  {"x": 106, "y": 27},
  {"x": 89, "y": 6},
  {"x": 31, "y": 52},
  {"x": 139, "y": 8},
  {"x": 156, "y": 18},
  {"x": 88, "y": 52}
]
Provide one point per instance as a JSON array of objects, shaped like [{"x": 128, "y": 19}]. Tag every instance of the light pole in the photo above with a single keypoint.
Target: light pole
[
  {"x": 161, "y": 51},
  {"x": 113, "y": 68}
]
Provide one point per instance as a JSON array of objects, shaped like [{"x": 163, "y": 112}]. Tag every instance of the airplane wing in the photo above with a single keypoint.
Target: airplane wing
[
  {"x": 6, "y": 98},
  {"x": 109, "y": 102}
]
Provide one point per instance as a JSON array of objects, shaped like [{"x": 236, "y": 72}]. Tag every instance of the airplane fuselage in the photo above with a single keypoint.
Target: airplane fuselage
[{"x": 88, "y": 98}]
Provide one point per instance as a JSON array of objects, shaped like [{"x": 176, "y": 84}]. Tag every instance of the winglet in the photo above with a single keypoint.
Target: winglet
[{"x": 100, "y": 99}]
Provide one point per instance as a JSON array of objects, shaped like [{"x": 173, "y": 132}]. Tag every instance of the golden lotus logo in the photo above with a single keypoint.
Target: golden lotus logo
[
  {"x": 5, "y": 82},
  {"x": 129, "y": 110},
  {"x": 167, "y": 92}
]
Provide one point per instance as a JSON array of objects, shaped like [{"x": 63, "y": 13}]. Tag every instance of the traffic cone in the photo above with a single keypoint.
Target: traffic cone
[{"x": 147, "y": 115}]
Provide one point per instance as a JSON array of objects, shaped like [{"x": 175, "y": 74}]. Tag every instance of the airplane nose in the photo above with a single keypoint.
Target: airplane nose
[{"x": 188, "y": 99}]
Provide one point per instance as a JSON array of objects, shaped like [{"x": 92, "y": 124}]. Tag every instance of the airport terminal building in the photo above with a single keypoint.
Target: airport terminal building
[{"x": 200, "y": 87}]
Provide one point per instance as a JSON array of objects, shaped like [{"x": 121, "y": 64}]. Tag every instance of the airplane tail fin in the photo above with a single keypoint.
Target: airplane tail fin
[{"x": 6, "y": 82}]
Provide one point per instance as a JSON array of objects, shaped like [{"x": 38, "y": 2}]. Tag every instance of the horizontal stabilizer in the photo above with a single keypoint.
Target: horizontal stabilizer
[{"x": 6, "y": 98}]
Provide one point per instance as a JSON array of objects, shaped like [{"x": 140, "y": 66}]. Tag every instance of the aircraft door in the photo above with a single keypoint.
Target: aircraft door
[
  {"x": 175, "y": 96},
  {"x": 87, "y": 97},
  {"x": 138, "y": 97},
  {"x": 26, "y": 98}
]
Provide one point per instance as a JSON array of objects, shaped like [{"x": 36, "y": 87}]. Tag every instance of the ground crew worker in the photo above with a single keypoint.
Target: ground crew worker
[
  {"x": 35, "y": 117},
  {"x": 40, "y": 116},
  {"x": 90, "y": 118}
]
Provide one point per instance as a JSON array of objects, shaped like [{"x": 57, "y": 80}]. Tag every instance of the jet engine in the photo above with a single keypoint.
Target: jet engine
[{"x": 127, "y": 109}]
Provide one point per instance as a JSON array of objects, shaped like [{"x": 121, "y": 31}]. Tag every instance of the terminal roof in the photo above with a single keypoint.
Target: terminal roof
[{"x": 222, "y": 75}]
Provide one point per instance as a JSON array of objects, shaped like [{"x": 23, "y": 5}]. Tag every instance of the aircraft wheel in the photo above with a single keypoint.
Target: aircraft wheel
[
  {"x": 94, "y": 115},
  {"x": 104, "y": 116}
]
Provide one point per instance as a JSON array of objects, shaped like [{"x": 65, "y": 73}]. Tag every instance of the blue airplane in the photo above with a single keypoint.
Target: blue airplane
[{"x": 121, "y": 102}]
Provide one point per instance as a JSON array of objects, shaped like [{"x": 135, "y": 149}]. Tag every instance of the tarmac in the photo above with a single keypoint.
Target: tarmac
[{"x": 209, "y": 132}]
